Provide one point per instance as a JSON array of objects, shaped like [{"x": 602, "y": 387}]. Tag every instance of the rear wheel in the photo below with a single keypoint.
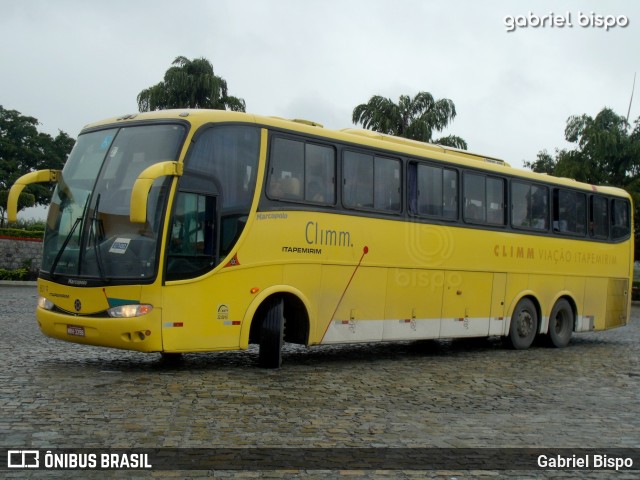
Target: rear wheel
[
  {"x": 524, "y": 325},
  {"x": 272, "y": 335},
  {"x": 561, "y": 324}
]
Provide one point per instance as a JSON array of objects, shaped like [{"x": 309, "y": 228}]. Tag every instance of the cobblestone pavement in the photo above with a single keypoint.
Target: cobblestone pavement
[{"x": 471, "y": 394}]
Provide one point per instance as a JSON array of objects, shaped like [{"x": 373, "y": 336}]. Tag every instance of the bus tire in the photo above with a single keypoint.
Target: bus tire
[
  {"x": 524, "y": 325},
  {"x": 272, "y": 335},
  {"x": 561, "y": 324},
  {"x": 171, "y": 358}
]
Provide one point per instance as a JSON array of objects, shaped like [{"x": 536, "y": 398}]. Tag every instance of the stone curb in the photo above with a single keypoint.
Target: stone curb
[{"x": 17, "y": 283}]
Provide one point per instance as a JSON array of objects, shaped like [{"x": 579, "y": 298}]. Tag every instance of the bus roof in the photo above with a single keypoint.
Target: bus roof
[{"x": 398, "y": 145}]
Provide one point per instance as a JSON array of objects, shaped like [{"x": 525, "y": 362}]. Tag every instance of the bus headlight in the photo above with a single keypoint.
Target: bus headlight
[
  {"x": 129, "y": 311},
  {"x": 45, "y": 303}
]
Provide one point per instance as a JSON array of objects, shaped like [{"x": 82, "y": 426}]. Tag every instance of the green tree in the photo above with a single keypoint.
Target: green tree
[
  {"x": 189, "y": 84},
  {"x": 416, "y": 118},
  {"x": 22, "y": 150},
  {"x": 544, "y": 163},
  {"x": 607, "y": 152}
]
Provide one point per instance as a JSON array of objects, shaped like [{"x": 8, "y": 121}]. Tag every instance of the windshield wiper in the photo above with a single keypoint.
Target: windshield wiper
[
  {"x": 96, "y": 251},
  {"x": 64, "y": 245}
]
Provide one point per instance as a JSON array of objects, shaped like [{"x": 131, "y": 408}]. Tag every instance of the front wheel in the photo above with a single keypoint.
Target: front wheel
[
  {"x": 524, "y": 325},
  {"x": 272, "y": 335},
  {"x": 561, "y": 324}
]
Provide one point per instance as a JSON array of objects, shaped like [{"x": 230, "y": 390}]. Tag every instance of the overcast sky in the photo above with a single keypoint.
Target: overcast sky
[{"x": 71, "y": 62}]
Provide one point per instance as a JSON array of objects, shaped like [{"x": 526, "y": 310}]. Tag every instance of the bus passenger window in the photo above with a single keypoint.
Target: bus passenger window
[
  {"x": 569, "y": 212},
  {"x": 387, "y": 184},
  {"x": 371, "y": 182},
  {"x": 319, "y": 178},
  {"x": 358, "y": 180},
  {"x": 450, "y": 194},
  {"x": 620, "y": 223},
  {"x": 429, "y": 190},
  {"x": 437, "y": 192},
  {"x": 286, "y": 169},
  {"x": 539, "y": 207},
  {"x": 598, "y": 217},
  {"x": 495, "y": 201},
  {"x": 483, "y": 199},
  {"x": 474, "y": 198},
  {"x": 301, "y": 171},
  {"x": 529, "y": 206}
]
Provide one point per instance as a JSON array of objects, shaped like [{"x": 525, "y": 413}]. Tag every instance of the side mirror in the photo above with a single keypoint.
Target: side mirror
[
  {"x": 41, "y": 176},
  {"x": 142, "y": 185}
]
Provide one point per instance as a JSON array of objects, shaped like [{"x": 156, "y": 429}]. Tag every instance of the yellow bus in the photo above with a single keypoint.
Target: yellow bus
[{"x": 197, "y": 231}]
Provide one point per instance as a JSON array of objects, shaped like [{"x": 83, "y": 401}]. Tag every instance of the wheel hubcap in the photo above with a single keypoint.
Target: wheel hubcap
[
  {"x": 558, "y": 323},
  {"x": 525, "y": 324}
]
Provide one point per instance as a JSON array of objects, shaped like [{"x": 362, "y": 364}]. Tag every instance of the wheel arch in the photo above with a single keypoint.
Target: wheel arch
[
  {"x": 528, "y": 294},
  {"x": 296, "y": 312},
  {"x": 565, "y": 295}
]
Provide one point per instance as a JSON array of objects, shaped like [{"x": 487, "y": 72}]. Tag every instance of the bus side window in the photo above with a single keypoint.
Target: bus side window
[
  {"x": 192, "y": 236},
  {"x": 495, "y": 201},
  {"x": 301, "y": 171},
  {"x": 320, "y": 174},
  {"x": 429, "y": 190},
  {"x": 484, "y": 199},
  {"x": 435, "y": 193},
  {"x": 358, "y": 180},
  {"x": 286, "y": 170},
  {"x": 474, "y": 198},
  {"x": 529, "y": 206},
  {"x": 387, "y": 184},
  {"x": 620, "y": 221},
  {"x": 569, "y": 212},
  {"x": 598, "y": 217}
]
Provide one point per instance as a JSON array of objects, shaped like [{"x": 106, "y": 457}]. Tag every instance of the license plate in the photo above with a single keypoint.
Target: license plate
[{"x": 75, "y": 330}]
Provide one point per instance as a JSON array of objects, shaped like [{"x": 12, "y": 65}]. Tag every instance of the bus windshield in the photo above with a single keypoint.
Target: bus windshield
[{"x": 88, "y": 232}]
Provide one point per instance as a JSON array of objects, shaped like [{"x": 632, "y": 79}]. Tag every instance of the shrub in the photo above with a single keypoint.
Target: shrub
[
  {"x": 19, "y": 233},
  {"x": 17, "y": 274}
]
